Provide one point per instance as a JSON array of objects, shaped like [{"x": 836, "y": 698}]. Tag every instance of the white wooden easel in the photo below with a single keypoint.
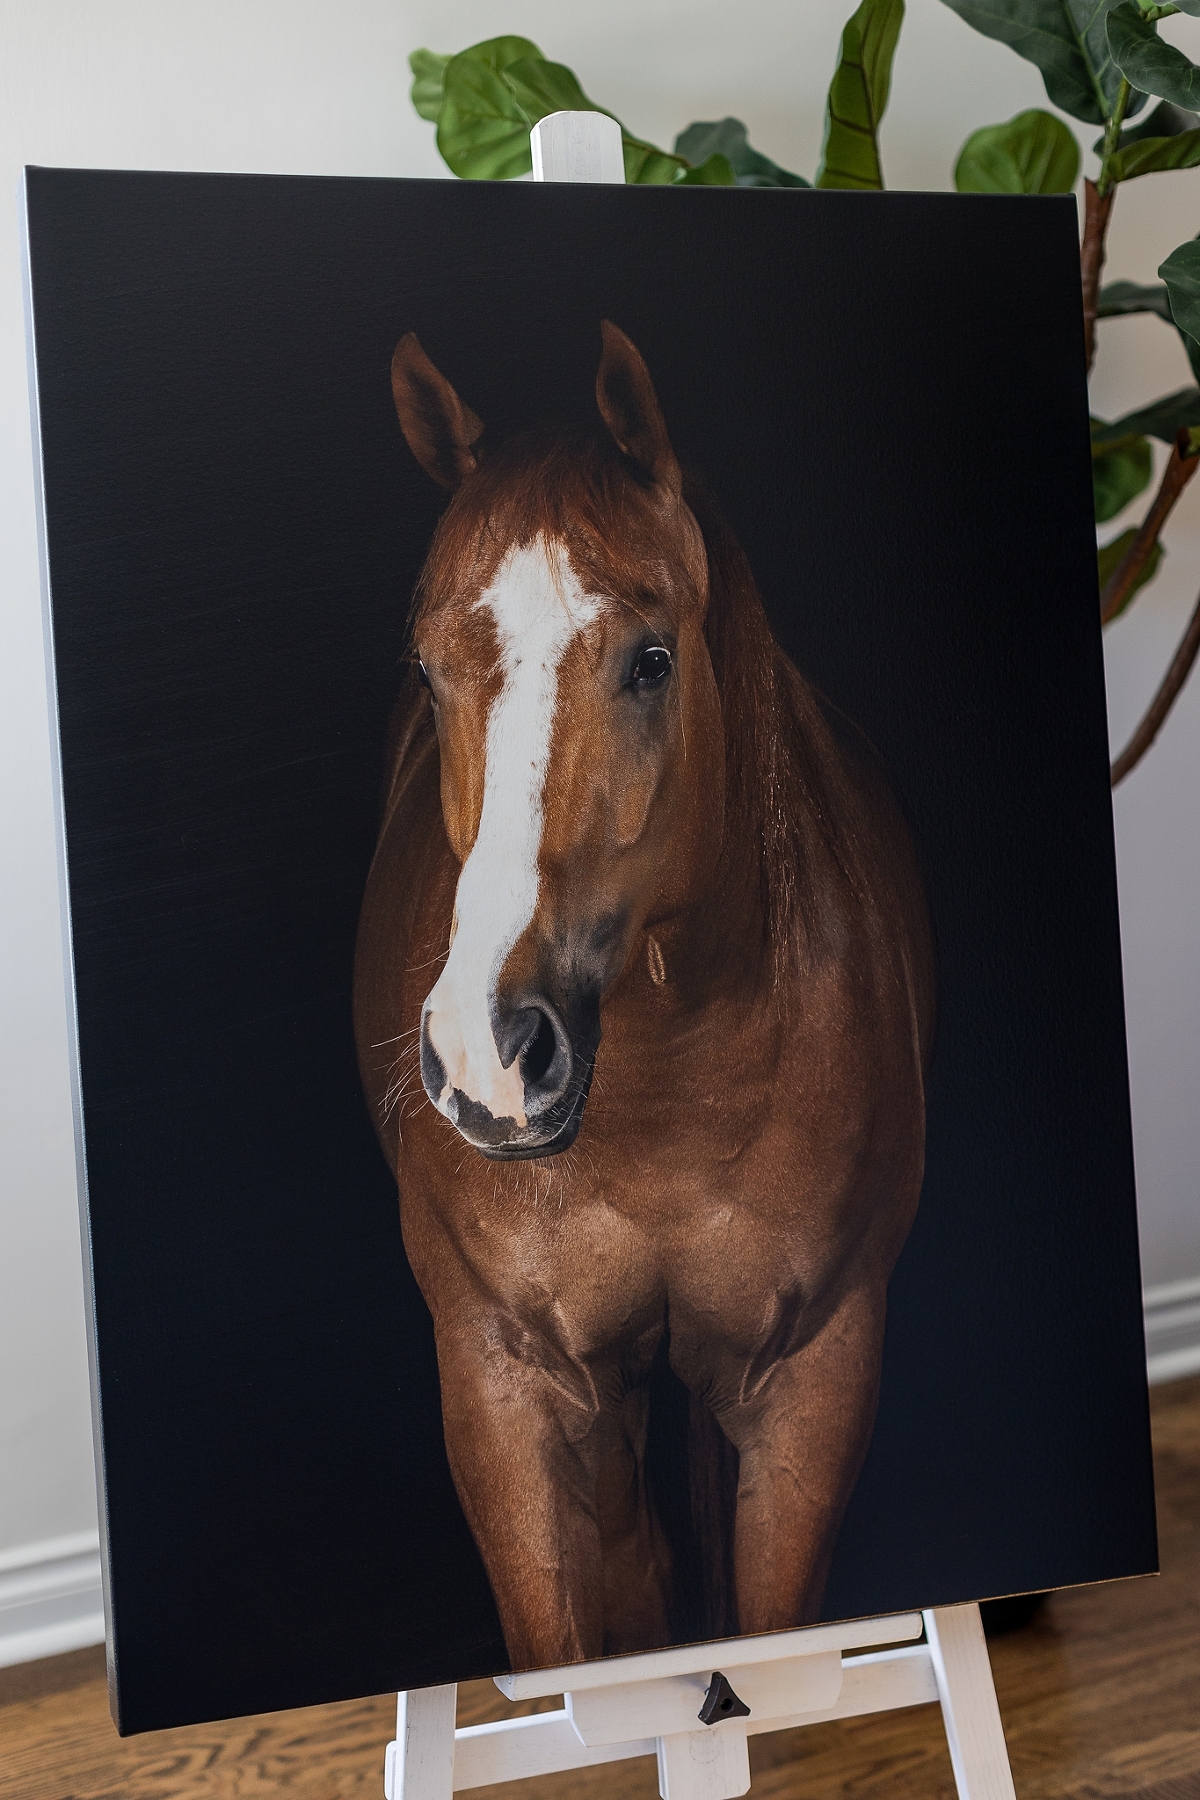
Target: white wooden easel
[{"x": 650, "y": 1705}]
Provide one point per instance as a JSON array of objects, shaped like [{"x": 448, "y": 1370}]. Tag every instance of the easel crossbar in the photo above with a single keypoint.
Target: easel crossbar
[{"x": 547, "y": 1743}]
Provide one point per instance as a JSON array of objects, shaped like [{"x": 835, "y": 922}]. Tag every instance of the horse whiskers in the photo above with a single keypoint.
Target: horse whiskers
[
  {"x": 396, "y": 1079},
  {"x": 401, "y": 1084},
  {"x": 384, "y": 1042},
  {"x": 414, "y": 968}
]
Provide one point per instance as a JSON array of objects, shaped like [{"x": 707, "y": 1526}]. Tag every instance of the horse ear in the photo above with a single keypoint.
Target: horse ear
[
  {"x": 629, "y": 407},
  {"x": 440, "y": 430}
]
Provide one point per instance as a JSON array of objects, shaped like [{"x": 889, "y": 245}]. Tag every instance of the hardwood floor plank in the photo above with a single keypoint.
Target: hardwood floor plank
[{"x": 1100, "y": 1698}]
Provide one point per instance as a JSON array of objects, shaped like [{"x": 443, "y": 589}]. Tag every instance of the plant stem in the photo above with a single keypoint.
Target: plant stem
[
  {"x": 1098, "y": 197},
  {"x": 1178, "y": 472},
  {"x": 1112, "y": 134},
  {"x": 1096, "y": 208},
  {"x": 1160, "y": 706}
]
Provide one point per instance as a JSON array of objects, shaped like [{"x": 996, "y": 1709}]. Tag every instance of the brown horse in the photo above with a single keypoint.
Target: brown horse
[{"x": 636, "y": 909}]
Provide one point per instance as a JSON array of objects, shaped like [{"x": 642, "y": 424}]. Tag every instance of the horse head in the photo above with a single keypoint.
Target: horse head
[{"x": 560, "y": 634}]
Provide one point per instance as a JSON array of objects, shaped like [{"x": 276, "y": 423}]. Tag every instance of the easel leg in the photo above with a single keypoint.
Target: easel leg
[
  {"x": 963, "y": 1673},
  {"x": 711, "y": 1764},
  {"x": 422, "y": 1767}
]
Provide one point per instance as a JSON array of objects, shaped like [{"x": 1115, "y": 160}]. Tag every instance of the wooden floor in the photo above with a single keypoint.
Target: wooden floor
[{"x": 1100, "y": 1697}]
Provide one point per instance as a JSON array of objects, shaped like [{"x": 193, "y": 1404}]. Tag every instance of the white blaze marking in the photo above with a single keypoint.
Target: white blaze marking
[{"x": 538, "y": 606}]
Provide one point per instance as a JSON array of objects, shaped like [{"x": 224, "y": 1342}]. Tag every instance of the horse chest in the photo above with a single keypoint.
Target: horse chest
[{"x": 600, "y": 1269}]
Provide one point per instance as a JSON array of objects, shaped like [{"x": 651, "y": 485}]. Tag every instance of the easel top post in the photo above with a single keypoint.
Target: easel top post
[{"x": 577, "y": 146}]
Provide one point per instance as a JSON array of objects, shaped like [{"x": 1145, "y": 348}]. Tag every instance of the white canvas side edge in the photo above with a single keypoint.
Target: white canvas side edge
[{"x": 102, "y": 1614}]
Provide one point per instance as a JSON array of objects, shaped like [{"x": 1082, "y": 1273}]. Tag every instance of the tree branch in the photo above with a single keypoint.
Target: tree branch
[
  {"x": 1160, "y": 706},
  {"x": 1181, "y": 466},
  {"x": 1096, "y": 210}
]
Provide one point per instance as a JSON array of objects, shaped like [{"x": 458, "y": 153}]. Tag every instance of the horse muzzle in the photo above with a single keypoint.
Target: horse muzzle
[{"x": 537, "y": 1108}]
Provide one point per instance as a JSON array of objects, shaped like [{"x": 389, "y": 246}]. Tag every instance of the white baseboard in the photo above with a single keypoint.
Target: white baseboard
[
  {"x": 50, "y": 1598},
  {"x": 1173, "y": 1329}
]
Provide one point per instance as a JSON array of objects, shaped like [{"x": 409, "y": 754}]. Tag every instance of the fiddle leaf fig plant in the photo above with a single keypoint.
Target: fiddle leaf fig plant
[{"x": 1101, "y": 62}]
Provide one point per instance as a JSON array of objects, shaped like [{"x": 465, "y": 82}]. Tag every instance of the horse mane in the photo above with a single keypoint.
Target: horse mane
[
  {"x": 787, "y": 787},
  {"x": 793, "y": 816}
]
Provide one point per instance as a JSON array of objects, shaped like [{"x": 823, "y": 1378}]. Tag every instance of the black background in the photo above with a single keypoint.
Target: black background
[{"x": 887, "y": 394}]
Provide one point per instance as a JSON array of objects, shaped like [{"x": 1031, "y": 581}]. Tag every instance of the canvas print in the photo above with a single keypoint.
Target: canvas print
[{"x": 603, "y": 1115}]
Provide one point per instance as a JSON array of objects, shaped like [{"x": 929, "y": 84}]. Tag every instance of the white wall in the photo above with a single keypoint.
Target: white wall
[{"x": 311, "y": 86}]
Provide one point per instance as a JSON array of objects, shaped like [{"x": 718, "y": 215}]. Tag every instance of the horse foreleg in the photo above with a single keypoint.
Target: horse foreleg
[
  {"x": 523, "y": 1443},
  {"x": 637, "y": 1560},
  {"x": 801, "y": 1438}
]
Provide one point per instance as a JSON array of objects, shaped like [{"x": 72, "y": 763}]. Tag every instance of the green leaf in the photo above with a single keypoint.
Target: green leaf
[
  {"x": 1066, "y": 40},
  {"x": 1165, "y": 121},
  {"x": 483, "y": 132},
  {"x": 543, "y": 87},
  {"x": 1120, "y": 298},
  {"x": 1181, "y": 272},
  {"x": 715, "y": 171},
  {"x": 1090, "y": 18},
  {"x": 1164, "y": 419},
  {"x": 1153, "y": 156},
  {"x": 858, "y": 97},
  {"x": 1035, "y": 153},
  {"x": 729, "y": 138},
  {"x": 1108, "y": 559},
  {"x": 426, "y": 92},
  {"x": 1148, "y": 62},
  {"x": 429, "y": 69},
  {"x": 1119, "y": 475},
  {"x": 647, "y": 165},
  {"x": 499, "y": 52}
]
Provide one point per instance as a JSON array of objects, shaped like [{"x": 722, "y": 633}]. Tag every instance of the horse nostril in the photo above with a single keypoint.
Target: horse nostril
[
  {"x": 538, "y": 1053},
  {"x": 533, "y": 1037}
]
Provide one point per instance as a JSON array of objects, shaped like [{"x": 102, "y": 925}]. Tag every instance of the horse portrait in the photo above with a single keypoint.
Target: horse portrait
[{"x": 643, "y": 1007}]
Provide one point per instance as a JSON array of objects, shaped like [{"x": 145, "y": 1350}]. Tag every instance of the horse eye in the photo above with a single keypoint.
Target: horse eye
[
  {"x": 652, "y": 666},
  {"x": 423, "y": 676}
]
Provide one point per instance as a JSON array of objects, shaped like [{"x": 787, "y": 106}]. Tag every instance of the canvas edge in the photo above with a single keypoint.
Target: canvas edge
[{"x": 68, "y": 955}]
